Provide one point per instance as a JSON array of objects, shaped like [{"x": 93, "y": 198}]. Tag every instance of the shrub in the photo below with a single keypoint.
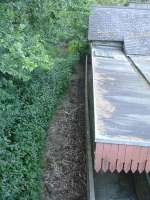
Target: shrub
[{"x": 23, "y": 130}]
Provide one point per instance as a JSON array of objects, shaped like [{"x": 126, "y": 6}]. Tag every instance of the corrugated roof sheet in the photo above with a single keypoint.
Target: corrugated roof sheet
[{"x": 121, "y": 99}]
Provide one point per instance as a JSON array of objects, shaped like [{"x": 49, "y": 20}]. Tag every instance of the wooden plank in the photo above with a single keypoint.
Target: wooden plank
[
  {"x": 98, "y": 156},
  {"x": 147, "y": 168},
  {"x": 128, "y": 158},
  {"x": 142, "y": 159},
  {"x": 135, "y": 160},
  {"x": 106, "y": 157},
  {"x": 111, "y": 157},
  {"x": 121, "y": 157}
]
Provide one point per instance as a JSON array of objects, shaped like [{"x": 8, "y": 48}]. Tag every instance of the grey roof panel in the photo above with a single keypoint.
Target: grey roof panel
[
  {"x": 113, "y": 23},
  {"x": 139, "y": 5},
  {"x": 137, "y": 44}
]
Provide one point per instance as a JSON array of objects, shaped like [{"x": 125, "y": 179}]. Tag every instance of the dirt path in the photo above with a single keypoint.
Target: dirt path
[{"x": 64, "y": 173}]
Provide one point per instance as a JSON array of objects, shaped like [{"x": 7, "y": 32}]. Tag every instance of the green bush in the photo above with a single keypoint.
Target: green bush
[
  {"x": 34, "y": 69},
  {"x": 26, "y": 119}
]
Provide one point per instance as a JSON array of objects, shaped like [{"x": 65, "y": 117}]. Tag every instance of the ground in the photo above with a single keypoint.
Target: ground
[{"x": 64, "y": 164}]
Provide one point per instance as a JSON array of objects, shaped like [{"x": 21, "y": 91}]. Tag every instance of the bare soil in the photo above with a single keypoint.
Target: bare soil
[{"x": 64, "y": 164}]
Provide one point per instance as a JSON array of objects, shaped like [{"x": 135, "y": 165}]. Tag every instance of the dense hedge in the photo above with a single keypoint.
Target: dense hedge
[
  {"x": 40, "y": 42},
  {"x": 39, "y": 45},
  {"x": 25, "y": 116}
]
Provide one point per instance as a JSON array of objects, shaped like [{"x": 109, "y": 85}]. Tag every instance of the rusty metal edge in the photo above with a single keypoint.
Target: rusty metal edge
[{"x": 90, "y": 174}]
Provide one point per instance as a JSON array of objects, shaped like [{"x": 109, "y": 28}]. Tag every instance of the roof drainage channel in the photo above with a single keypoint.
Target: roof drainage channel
[{"x": 142, "y": 64}]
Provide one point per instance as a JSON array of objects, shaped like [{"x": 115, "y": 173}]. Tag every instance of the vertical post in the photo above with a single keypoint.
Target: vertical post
[{"x": 90, "y": 175}]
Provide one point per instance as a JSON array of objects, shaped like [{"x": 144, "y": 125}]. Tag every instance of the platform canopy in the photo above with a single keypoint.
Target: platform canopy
[
  {"x": 120, "y": 43},
  {"x": 121, "y": 93}
]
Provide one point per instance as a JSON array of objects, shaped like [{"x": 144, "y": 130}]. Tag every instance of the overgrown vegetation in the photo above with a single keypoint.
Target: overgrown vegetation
[{"x": 40, "y": 42}]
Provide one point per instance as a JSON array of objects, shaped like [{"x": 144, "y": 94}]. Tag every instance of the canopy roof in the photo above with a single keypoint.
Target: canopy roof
[
  {"x": 121, "y": 87},
  {"x": 121, "y": 93}
]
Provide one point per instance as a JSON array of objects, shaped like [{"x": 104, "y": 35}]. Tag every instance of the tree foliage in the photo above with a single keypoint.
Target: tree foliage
[{"x": 40, "y": 42}]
